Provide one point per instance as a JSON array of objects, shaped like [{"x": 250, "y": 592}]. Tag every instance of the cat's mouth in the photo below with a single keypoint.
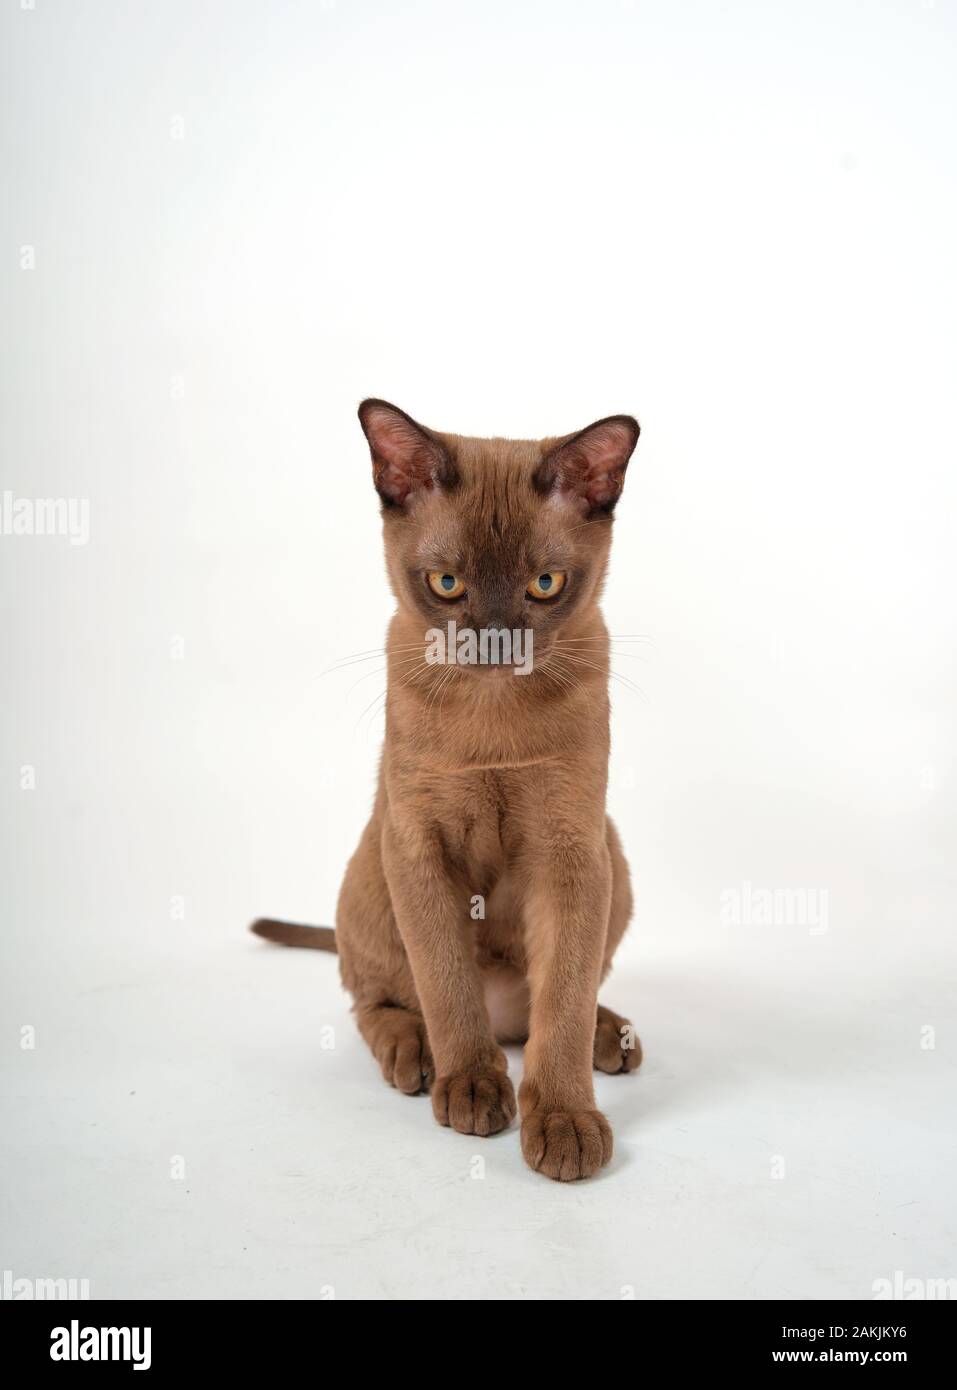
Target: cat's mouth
[
  {"x": 511, "y": 669},
  {"x": 497, "y": 671}
]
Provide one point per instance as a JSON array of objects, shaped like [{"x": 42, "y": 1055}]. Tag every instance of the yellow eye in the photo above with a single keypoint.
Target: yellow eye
[
  {"x": 546, "y": 585},
  {"x": 446, "y": 585}
]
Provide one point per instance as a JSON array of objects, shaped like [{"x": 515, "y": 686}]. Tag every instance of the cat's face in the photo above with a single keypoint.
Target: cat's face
[{"x": 496, "y": 534}]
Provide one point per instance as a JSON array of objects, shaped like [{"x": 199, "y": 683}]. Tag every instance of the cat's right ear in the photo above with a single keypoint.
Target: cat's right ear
[{"x": 407, "y": 459}]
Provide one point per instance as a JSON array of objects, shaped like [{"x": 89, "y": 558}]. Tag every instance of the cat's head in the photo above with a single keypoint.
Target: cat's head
[{"x": 496, "y": 533}]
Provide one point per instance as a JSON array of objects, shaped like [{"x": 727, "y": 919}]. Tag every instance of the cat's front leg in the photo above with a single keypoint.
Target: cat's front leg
[
  {"x": 471, "y": 1092},
  {"x": 564, "y": 1136}
]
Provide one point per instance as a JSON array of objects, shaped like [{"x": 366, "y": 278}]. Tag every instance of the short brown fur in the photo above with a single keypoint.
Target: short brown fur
[{"x": 492, "y": 786}]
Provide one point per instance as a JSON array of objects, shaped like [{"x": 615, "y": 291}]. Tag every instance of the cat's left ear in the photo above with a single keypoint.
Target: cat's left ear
[{"x": 587, "y": 469}]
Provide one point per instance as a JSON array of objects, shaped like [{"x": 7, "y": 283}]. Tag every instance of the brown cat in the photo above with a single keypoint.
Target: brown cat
[{"x": 489, "y": 890}]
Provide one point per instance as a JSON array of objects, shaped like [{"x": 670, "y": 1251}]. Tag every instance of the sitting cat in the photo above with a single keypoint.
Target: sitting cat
[{"x": 489, "y": 890}]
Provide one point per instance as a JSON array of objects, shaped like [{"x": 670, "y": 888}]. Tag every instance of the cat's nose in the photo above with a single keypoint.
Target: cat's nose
[{"x": 503, "y": 624}]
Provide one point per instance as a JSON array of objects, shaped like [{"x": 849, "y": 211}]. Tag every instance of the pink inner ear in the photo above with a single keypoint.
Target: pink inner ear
[
  {"x": 607, "y": 446},
  {"x": 392, "y": 438},
  {"x": 403, "y": 457},
  {"x": 592, "y": 467}
]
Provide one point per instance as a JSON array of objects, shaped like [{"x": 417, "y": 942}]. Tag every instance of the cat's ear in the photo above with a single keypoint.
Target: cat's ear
[
  {"x": 406, "y": 457},
  {"x": 587, "y": 470}
]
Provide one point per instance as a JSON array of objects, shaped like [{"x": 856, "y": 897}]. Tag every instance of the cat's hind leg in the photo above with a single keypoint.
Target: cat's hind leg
[
  {"x": 399, "y": 1044},
  {"x": 617, "y": 1047},
  {"x": 375, "y": 969}
]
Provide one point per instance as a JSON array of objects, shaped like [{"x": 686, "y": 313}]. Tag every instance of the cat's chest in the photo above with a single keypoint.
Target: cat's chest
[{"x": 478, "y": 824}]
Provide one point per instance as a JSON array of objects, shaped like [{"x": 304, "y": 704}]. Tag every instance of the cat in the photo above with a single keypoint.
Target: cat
[{"x": 489, "y": 890}]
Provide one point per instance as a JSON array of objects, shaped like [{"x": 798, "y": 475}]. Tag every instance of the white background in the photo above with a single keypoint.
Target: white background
[{"x": 735, "y": 221}]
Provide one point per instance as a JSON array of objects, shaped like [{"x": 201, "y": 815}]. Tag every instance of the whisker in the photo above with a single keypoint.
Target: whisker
[
  {"x": 377, "y": 671},
  {"x": 413, "y": 675},
  {"x": 632, "y": 656},
  {"x": 443, "y": 680},
  {"x": 626, "y": 681},
  {"x": 381, "y": 696},
  {"x": 443, "y": 688},
  {"x": 358, "y": 657},
  {"x": 584, "y": 641},
  {"x": 401, "y": 664},
  {"x": 565, "y": 680}
]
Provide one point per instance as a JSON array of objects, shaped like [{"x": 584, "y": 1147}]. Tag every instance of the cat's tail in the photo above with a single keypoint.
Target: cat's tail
[{"x": 294, "y": 934}]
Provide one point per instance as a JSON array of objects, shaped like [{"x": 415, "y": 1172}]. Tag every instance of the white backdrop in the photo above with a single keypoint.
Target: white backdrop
[{"x": 224, "y": 225}]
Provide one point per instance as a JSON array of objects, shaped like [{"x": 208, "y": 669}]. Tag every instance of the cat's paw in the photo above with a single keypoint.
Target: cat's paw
[
  {"x": 401, "y": 1048},
  {"x": 479, "y": 1102},
  {"x": 566, "y": 1144},
  {"x": 617, "y": 1045}
]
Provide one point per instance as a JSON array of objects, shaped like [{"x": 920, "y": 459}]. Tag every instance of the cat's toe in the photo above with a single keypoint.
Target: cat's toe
[
  {"x": 480, "y": 1102},
  {"x": 402, "y": 1051},
  {"x": 413, "y": 1071},
  {"x": 566, "y": 1144}
]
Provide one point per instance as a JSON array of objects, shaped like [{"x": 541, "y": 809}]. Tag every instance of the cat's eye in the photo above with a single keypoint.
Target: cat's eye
[
  {"x": 446, "y": 585},
  {"x": 547, "y": 585}
]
